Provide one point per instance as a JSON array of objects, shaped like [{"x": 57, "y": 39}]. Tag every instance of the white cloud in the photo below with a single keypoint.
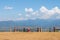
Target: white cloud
[
  {"x": 20, "y": 14},
  {"x": 49, "y": 13},
  {"x": 43, "y": 9},
  {"x": 42, "y": 13},
  {"x": 27, "y": 15},
  {"x": 56, "y": 10},
  {"x": 22, "y": 18},
  {"x": 36, "y": 13},
  {"x": 8, "y": 7},
  {"x": 28, "y": 10}
]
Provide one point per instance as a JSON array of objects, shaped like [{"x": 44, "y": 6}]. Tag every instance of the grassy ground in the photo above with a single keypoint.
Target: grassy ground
[{"x": 29, "y": 35}]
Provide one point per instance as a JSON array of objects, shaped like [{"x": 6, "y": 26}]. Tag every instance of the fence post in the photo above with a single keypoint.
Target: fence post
[
  {"x": 18, "y": 29},
  {"x": 40, "y": 29},
  {"x": 10, "y": 29},
  {"x": 4, "y": 29},
  {"x": 24, "y": 30},
  {"x": 49, "y": 29},
  {"x": 54, "y": 29},
  {"x": 14, "y": 29}
]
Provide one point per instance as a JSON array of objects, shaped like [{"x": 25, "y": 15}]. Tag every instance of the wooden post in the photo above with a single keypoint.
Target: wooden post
[
  {"x": 24, "y": 30},
  {"x": 49, "y": 29},
  {"x": 54, "y": 29},
  {"x": 37, "y": 29},
  {"x": 14, "y": 29},
  {"x": 18, "y": 29},
  {"x": 40, "y": 29},
  {"x": 3, "y": 29},
  {"x": 10, "y": 29}
]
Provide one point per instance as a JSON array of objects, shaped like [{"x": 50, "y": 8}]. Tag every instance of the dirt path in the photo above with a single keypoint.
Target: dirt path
[{"x": 29, "y": 35}]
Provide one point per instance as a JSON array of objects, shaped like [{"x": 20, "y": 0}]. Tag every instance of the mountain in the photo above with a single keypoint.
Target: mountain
[{"x": 31, "y": 23}]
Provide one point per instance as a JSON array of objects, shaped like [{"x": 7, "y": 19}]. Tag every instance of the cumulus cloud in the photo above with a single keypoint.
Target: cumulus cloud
[
  {"x": 43, "y": 9},
  {"x": 56, "y": 10},
  {"x": 49, "y": 13},
  {"x": 42, "y": 13},
  {"x": 36, "y": 13},
  {"x": 8, "y": 7},
  {"x": 28, "y": 10},
  {"x": 27, "y": 15}
]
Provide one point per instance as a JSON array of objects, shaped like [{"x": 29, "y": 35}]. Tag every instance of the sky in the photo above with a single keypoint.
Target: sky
[{"x": 29, "y": 9}]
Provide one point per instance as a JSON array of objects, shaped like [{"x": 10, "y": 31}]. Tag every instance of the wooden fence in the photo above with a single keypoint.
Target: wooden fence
[{"x": 29, "y": 29}]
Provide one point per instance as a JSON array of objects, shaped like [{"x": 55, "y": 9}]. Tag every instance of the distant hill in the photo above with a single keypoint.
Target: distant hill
[{"x": 30, "y": 23}]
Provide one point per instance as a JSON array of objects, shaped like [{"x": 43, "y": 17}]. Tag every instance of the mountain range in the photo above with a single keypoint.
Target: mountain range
[{"x": 31, "y": 23}]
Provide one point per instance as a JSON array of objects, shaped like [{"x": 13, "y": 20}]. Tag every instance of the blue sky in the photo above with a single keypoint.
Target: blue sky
[{"x": 29, "y": 9}]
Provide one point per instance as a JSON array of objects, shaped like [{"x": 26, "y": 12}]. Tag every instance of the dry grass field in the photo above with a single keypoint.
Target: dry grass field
[{"x": 29, "y": 35}]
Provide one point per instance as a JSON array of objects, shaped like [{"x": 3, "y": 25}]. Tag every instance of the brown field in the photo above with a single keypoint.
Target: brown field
[{"x": 29, "y": 35}]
